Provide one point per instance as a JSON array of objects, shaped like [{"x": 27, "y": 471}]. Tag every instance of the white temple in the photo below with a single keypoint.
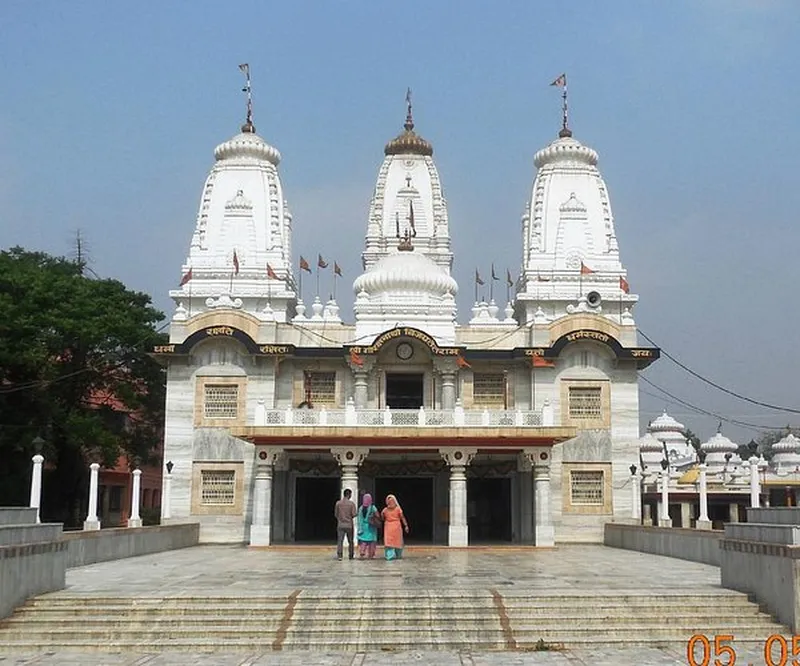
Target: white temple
[{"x": 518, "y": 426}]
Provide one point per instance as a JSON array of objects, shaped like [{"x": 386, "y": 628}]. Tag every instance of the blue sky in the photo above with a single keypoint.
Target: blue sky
[{"x": 110, "y": 113}]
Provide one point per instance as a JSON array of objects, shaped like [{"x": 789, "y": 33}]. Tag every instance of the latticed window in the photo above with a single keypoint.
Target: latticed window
[
  {"x": 488, "y": 389},
  {"x": 586, "y": 487},
  {"x": 585, "y": 402},
  {"x": 320, "y": 388},
  {"x": 221, "y": 401},
  {"x": 217, "y": 487}
]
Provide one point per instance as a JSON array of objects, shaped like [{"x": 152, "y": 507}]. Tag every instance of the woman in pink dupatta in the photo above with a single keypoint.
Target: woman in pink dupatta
[{"x": 394, "y": 524}]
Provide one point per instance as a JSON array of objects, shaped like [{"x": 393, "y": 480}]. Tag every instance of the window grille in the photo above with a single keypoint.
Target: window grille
[
  {"x": 488, "y": 389},
  {"x": 585, "y": 402},
  {"x": 217, "y": 487},
  {"x": 586, "y": 488},
  {"x": 320, "y": 388},
  {"x": 221, "y": 401}
]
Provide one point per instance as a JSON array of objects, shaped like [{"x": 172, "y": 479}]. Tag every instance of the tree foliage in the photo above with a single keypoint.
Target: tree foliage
[{"x": 74, "y": 370}]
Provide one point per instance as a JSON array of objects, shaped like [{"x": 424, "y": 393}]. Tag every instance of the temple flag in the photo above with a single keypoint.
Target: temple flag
[
  {"x": 272, "y": 274},
  {"x": 355, "y": 358},
  {"x": 494, "y": 275},
  {"x": 585, "y": 270},
  {"x": 461, "y": 362},
  {"x": 321, "y": 263},
  {"x": 337, "y": 269},
  {"x": 235, "y": 263},
  {"x": 560, "y": 82},
  {"x": 478, "y": 279},
  {"x": 542, "y": 362},
  {"x": 186, "y": 277},
  {"x": 411, "y": 218},
  {"x": 245, "y": 67},
  {"x": 509, "y": 279},
  {"x": 623, "y": 284},
  {"x": 304, "y": 265}
]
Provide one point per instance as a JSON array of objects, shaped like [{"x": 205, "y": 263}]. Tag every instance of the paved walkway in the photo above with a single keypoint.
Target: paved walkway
[
  {"x": 598, "y": 657},
  {"x": 230, "y": 571}
]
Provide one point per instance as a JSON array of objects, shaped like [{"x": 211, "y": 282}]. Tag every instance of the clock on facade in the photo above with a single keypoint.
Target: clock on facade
[{"x": 404, "y": 351}]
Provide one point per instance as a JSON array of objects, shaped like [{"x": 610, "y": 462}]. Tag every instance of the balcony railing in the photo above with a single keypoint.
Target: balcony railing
[{"x": 404, "y": 418}]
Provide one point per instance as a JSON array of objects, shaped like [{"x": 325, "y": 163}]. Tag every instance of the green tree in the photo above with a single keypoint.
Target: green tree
[{"x": 74, "y": 369}]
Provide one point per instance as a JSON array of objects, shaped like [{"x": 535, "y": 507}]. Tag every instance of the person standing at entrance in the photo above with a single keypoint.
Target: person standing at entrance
[
  {"x": 368, "y": 520},
  {"x": 345, "y": 512},
  {"x": 394, "y": 524}
]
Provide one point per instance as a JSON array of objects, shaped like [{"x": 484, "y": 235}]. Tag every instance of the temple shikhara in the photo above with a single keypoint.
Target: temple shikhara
[{"x": 517, "y": 422}]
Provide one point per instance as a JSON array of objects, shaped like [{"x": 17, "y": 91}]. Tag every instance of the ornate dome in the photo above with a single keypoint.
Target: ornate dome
[
  {"x": 247, "y": 146},
  {"x": 406, "y": 272},
  {"x": 665, "y": 423},
  {"x": 565, "y": 149},
  {"x": 409, "y": 142},
  {"x": 719, "y": 443}
]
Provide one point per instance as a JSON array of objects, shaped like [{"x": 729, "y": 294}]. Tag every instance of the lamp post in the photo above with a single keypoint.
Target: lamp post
[
  {"x": 755, "y": 486},
  {"x": 664, "y": 519},
  {"x": 703, "y": 523},
  {"x": 36, "y": 476},
  {"x": 636, "y": 506},
  {"x": 166, "y": 499}
]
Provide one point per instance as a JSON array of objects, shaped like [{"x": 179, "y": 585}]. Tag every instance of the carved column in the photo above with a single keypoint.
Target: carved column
[
  {"x": 458, "y": 459},
  {"x": 36, "y": 484},
  {"x": 755, "y": 486},
  {"x": 703, "y": 523},
  {"x": 92, "y": 522},
  {"x": 350, "y": 458},
  {"x": 361, "y": 374},
  {"x": 136, "y": 495},
  {"x": 261, "y": 527},
  {"x": 544, "y": 532},
  {"x": 447, "y": 369}
]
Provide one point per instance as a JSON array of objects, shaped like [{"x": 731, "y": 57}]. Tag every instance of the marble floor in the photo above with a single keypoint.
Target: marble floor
[{"x": 233, "y": 570}]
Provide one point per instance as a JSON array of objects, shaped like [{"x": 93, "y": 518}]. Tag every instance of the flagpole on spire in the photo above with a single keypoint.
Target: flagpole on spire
[
  {"x": 248, "y": 125},
  {"x": 409, "y": 115},
  {"x": 561, "y": 82}
]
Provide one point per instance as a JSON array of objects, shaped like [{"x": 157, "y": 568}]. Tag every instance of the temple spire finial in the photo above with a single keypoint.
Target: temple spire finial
[
  {"x": 248, "y": 124},
  {"x": 561, "y": 82},
  {"x": 409, "y": 124}
]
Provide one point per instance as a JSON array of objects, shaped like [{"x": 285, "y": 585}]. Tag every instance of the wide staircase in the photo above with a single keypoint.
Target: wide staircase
[{"x": 386, "y": 620}]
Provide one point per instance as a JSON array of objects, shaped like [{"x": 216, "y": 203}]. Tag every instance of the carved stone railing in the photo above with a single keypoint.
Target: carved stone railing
[{"x": 404, "y": 418}]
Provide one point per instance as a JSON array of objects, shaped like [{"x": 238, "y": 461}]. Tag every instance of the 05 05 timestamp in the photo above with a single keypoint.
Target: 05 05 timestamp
[{"x": 720, "y": 651}]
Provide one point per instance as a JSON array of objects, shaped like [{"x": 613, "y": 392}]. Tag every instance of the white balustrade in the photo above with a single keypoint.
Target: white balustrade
[{"x": 402, "y": 418}]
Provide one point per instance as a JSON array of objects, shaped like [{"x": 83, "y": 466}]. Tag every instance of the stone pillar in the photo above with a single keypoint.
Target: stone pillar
[
  {"x": 91, "y": 522},
  {"x": 524, "y": 470},
  {"x": 664, "y": 520},
  {"x": 544, "y": 532},
  {"x": 755, "y": 485},
  {"x": 733, "y": 512},
  {"x": 350, "y": 458},
  {"x": 261, "y": 527},
  {"x": 36, "y": 484},
  {"x": 703, "y": 523},
  {"x": 647, "y": 518},
  {"x": 136, "y": 493},
  {"x": 447, "y": 369},
  {"x": 636, "y": 504},
  {"x": 448, "y": 390},
  {"x": 458, "y": 459},
  {"x": 166, "y": 497},
  {"x": 361, "y": 381}
]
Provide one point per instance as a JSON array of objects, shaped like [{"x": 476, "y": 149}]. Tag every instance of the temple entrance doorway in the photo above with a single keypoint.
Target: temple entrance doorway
[
  {"x": 489, "y": 510},
  {"x": 314, "y": 500},
  {"x": 404, "y": 390},
  {"x": 415, "y": 496}
]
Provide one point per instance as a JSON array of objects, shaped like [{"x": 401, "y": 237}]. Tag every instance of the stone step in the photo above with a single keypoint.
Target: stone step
[
  {"x": 390, "y": 633},
  {"x": 397, "y": 617}
]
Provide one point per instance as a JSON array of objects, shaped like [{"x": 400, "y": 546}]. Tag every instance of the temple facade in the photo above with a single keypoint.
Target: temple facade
[{"x": 517, "y": 425}]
